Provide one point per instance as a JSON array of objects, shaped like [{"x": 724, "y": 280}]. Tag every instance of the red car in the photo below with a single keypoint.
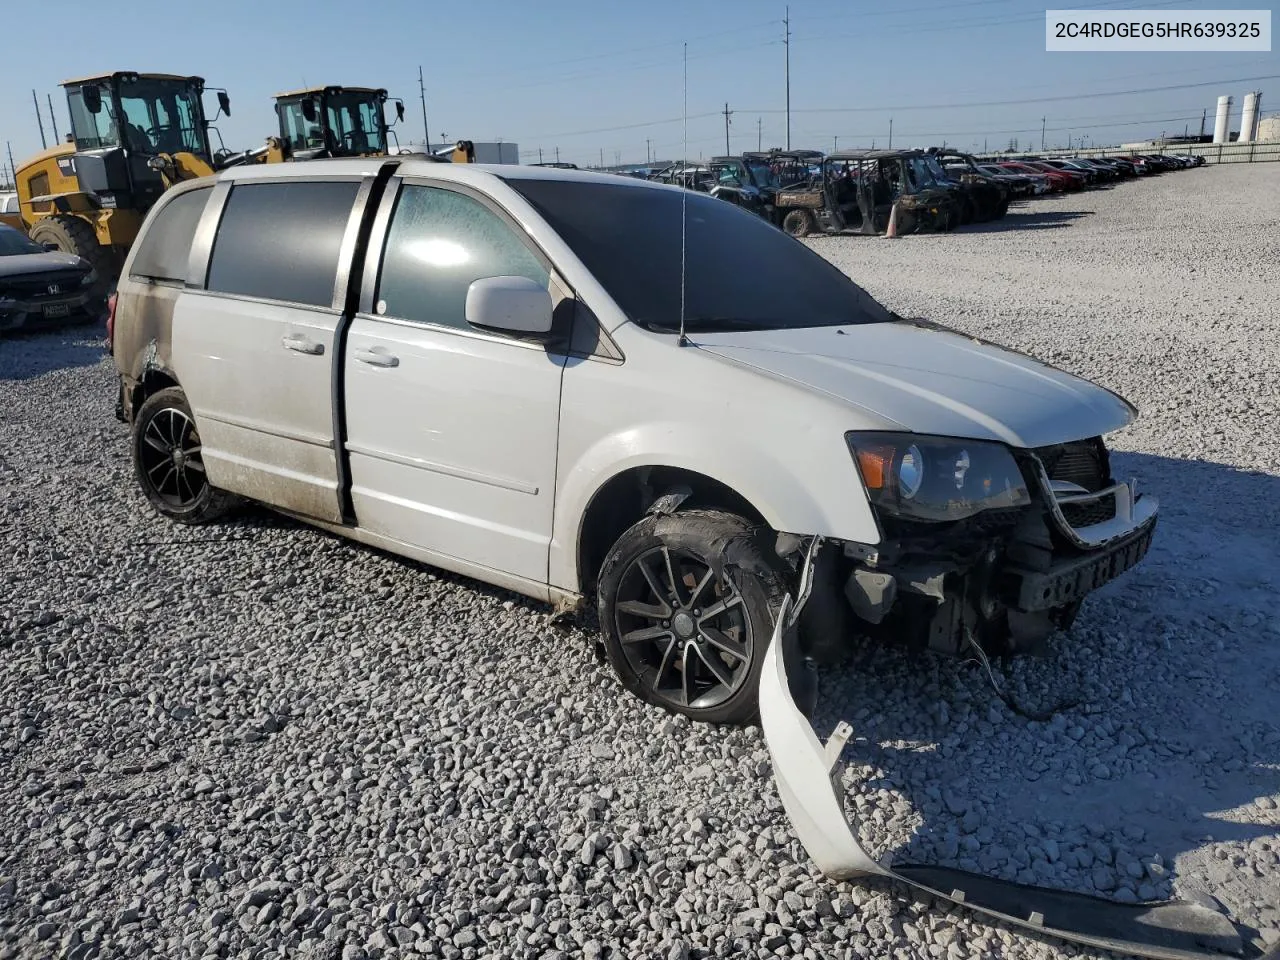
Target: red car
[{"x": 1059, "y": 180}]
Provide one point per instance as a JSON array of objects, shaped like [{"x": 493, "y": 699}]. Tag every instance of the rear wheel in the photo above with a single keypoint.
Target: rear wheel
[
  {"x": 72, "y": 235},
  {"x": 797, "y": 223},
  {"x": 686, "y": 603},
  {"x": 168, "y": 463}
]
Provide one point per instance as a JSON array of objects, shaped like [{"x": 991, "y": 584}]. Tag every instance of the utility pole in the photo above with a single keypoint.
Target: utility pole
[
  {"x": 539, "y": 156},
  {"x": 602, "y": 158},
  {"x": 1042, "y": 122},
  {"x": 12, "y": 169},
  {"x": 617, "y": 158},
  {"x": 646, "y": 150},
  {"x": 557, "y": 154},
  {"x": 759, "y": 133},
  {"x": 422, "y": 93},
  {"x": 890, "y": 133},
  {"x": 57, "y": 137},
  {"x": 786, "y": 42},
  {"x": 1202, "y": 119},
  {"x": 44, "y": 144},
  {"x": 835, "y": 144},
  {"x": 727, "y": 114}
]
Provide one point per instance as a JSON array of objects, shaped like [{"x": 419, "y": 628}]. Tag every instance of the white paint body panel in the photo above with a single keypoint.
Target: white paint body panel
[
  {"x": 453, "y": 449},
  {"x": 928, "y": 381},
  {"x": 489, "y": 452},
  {"x": 264, "y": 412}
]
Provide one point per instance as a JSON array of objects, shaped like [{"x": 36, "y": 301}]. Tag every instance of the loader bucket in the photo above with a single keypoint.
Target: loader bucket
[{"x": 803, "y": 771}]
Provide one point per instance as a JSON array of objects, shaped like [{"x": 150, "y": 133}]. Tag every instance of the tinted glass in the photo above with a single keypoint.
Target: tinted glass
[
  {"x": 13, "y": 243},
  {"x": 164, "y": 248},
  {"x": 740, "y": 273},
  {"x": 439, "y": 242},
  {"x": 281, "y": 241}
]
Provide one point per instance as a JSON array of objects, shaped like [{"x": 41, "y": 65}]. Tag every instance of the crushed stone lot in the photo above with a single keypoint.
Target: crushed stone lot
[{"x": 255, "y": 739}]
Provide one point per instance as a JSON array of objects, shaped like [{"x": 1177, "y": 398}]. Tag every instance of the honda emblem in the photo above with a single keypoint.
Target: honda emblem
[{"x": 55, "y": 288}]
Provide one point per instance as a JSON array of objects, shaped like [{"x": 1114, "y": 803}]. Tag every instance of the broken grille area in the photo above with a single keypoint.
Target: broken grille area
[
  {"x": 1082, "y": 462},
  {"x": 1088, "y": 513}
]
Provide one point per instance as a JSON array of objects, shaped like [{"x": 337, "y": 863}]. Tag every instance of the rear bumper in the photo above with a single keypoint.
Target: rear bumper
[{"x": 806, "y": 775}]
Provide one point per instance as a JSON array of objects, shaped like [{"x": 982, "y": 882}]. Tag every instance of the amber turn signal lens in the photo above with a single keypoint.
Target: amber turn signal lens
[{"x": 875, "y": 462}]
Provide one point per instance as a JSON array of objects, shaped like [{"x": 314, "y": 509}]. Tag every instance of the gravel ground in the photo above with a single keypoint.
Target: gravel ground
[{"x": 259, "y": 740}]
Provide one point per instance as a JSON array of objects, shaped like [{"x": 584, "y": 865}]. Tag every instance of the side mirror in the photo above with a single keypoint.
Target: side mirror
[
  {"x": 92, "y": 98},
  {"x": 224, "y": 102},
  {"x": 309, "y": 110},
  {"x": 399, "y": 110},
  {"x": 509, "y": 305}
]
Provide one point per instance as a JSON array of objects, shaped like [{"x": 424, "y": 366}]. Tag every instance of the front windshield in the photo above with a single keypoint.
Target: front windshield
[
  {"x": 160, "y": 116},
  {"x": 763, "y": 176},
  {"x": 921, "y": 175},
  {"x": 740, "y": 272},
  {"x": 356, "y": 121},
  {"x": 935, "y": 168},
  {"x": 14, "y": 244}
]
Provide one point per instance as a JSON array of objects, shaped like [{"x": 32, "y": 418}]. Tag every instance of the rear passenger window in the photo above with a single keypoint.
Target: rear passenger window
[
  {"x": 281, "y": 240},
  {"x": 163, "y": 251},
  {"x": 439, "y": 242}
]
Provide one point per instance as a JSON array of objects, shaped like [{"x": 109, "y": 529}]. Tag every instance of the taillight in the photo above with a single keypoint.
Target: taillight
[{"x": 111, "y": 317}]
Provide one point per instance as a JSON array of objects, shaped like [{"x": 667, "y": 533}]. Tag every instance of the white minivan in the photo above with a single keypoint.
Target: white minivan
[{"x": 588, "y": 387}]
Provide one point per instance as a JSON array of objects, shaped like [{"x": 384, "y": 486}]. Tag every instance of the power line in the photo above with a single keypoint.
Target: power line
[{"x": 1008, "y": 103}]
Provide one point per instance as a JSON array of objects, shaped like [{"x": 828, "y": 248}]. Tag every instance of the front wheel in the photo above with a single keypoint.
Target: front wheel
[
  {"x": 686, "y": 603},
  {"x": 797, "y": 223},
  {"x": 168, "y": 463}
]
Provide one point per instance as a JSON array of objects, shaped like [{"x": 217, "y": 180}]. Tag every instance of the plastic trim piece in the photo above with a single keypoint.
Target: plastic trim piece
[{"x": 808, "y": 783}]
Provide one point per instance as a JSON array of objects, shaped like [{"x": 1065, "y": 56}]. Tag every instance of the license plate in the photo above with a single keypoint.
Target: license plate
[{"x": 54, "y": 310}]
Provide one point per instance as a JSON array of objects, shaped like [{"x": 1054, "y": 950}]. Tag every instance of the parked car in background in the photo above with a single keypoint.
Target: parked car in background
[
  {"x": 10, "y": 215},
  {"x": 40, "y": 286},
  {"x": 1024, "y": 184},
  {"x": 1057, "y": 180}
]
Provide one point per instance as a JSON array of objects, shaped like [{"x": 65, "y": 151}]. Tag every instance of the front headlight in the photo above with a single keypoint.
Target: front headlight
[
  {"x": 936, "y": 479},
  {"x": 89, "y": 278}
]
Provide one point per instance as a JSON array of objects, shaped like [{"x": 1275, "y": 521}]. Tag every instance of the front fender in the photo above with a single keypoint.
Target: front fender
[{"x": 803, "y": 483}]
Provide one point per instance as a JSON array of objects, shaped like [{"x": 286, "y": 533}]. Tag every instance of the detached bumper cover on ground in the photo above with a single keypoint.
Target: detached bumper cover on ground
[{"x": 811, "y": 796}]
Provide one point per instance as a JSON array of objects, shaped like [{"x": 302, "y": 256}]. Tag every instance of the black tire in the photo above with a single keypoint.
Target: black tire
[
  {"x": 72, "y": 235},
  {"x": 688, "y": 660},
  {"x": 797, "y": 223},
  {"x": 174, "y": 482}
]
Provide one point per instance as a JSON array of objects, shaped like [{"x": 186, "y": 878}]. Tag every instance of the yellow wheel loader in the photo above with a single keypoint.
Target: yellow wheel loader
[
  {"x": 336, "y": 121},
  {"x": 133, "y": 135}
]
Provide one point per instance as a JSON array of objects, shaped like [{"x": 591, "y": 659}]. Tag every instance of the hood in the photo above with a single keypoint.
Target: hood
[
  {"x": 926, "y": 379},
  {"x": 26, "y": 264}
]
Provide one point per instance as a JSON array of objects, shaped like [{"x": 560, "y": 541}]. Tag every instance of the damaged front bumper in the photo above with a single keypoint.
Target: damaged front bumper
[{"x": 805, "y": 773}]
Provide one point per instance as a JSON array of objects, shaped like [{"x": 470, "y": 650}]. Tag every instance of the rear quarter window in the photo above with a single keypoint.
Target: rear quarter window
[
  {"x": 163, "y": 251},
  {"x": 282, "y": 240}
]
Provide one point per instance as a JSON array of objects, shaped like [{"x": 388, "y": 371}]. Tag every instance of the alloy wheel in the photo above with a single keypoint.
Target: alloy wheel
[
  {"x": 684, "y": 628},
  {"x": 170, "y": 455}
]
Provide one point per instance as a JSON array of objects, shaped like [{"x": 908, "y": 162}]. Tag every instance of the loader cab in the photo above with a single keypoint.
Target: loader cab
[
  {"x": 335, "y": 122},
  {"x": 123, "y": 123}
]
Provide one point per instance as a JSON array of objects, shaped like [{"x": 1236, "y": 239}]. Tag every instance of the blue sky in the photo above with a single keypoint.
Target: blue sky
[{"x": 593, "y": 77}]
